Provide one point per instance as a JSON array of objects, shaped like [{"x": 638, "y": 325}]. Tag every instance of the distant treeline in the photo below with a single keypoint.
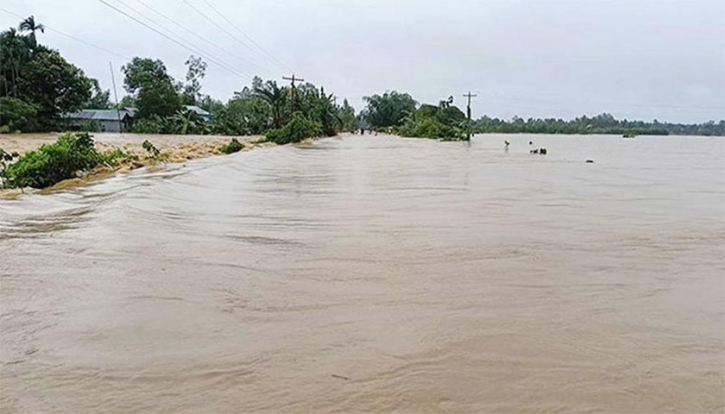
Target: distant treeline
[{"x": 600, "y": 124}]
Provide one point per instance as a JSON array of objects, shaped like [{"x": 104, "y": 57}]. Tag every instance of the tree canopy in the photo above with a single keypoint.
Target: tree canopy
[
  {"x": 388, "y": 109},
  {"x": 41, "y": 81},
  {"x": 152, "y": 88}
]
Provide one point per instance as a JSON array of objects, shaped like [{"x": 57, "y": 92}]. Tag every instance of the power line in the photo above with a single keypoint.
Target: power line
[
  {"x": 69, "y": 36},
  {"x": 229, "y": 67},
  {"x": 212, "y": 59},
  {"x": 203, "y": 39},
  {"x": 231, "y": 35},
  {"x": 103, "y": 49},
  {"x": 174, "y": 40},
  {"x": 265, "y": 51}
]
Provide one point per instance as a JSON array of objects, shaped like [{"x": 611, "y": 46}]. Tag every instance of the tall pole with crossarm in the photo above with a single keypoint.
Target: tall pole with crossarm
[
  {"x": 469, "y": 95},
  {"x": 293, "y": 79}
]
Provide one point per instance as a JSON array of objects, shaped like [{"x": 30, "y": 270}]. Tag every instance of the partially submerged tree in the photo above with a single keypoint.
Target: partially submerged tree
[{"x": 388, "y": 109}]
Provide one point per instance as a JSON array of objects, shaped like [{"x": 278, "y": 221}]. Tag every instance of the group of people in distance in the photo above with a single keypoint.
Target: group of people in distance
[{"x": 532, "y": 149}]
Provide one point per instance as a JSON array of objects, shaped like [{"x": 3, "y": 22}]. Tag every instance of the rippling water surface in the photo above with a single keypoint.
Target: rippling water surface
[{"x": 375, "y": 274}]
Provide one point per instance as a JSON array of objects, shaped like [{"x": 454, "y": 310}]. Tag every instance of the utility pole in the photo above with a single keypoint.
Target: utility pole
[
  {"x": 115, "y": 95},
  {"x": 293, "y": 79},
  {"x": 469, "y": 95}
]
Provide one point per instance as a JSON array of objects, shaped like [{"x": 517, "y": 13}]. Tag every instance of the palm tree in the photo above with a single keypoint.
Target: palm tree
[
  {"x": 14, "y": 52},
  {"x": 276, "y": 97},
  {"x": 28, "y": 25}
]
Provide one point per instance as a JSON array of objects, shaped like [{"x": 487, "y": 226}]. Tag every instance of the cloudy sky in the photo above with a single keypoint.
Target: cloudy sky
[{"x": 645, "y": 59}]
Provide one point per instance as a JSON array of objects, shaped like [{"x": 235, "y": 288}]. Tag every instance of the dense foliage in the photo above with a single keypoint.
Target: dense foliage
[
  {"x": 297, "y": 129},
  {"x": 442, "y": 122},
  {"x": 17, "y": 115},
  {"x": 600, "y": 124},
  {"x": 42, "y": 81},
  {"x": 388, "y": 110},
  {"x": 399, "y": 113},
  {"x": 265, "y": 108},
  {"x": 152, "y": 88},
  {"x": 56, "y": 162}
]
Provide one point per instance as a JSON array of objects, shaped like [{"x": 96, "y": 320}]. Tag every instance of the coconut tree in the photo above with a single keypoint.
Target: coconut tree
[
  {"x": 14, "y": 53},
  {"x": 276, "y": 97},
  {"x": 29, "y": 25}
]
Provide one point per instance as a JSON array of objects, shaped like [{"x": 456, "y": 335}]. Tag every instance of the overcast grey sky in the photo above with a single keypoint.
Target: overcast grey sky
[{"x": 644, "y": 59}]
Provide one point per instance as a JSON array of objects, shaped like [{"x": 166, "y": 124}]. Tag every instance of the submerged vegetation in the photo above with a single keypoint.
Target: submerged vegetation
[
  {"x": 400, "y": 114},
  {"x": 233, "y": 146},
  {"x": 51, "y": 163}
]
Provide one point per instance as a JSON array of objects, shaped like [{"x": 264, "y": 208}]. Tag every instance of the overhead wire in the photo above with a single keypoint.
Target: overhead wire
[
  {"x": 219, "y": 26},
  {"x": 214, "y": 61},
  {"x": 197, "y": 36},
  {"x": 243, "y": 33},
  {"x": 103, "y": 49}
]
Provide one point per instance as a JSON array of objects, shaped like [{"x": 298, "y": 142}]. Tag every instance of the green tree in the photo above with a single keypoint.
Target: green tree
[
  {"x": 195, "y": 73},
  {"x": 152, "y": 88},
  {"x": 53, "y": 85},
  {"x": 29, "y": 25},
  {"x": 100, "y": 99},
  {"x": 389, "y": 109},
  {"x": 346, "y": 114},
  {"x": 15, "y": 52},
  {"x": 277, "y": 98},
  {"x": 248, "y": 111}
]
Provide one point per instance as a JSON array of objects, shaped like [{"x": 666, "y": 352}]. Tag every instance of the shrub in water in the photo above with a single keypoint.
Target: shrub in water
[
  {"x": 233, "y": 146},
  {"x": 151, "y": 149},
  {"x": 53, "y": 163},
  {"x": 297, "y": 129}
]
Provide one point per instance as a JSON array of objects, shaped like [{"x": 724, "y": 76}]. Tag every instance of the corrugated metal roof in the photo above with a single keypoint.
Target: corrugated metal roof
[
  {"x": 98, "y": 114},
  {"x": 111, "y": 115},
  {"x": 198, "y": 110}
]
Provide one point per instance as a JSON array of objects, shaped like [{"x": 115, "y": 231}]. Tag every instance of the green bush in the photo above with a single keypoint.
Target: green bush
[
  {"x": 297, "y": 129},
  {"x": 53, "y": 163},
  {"x": 430, "y": 128},
  {"x": 233, "y": 146}
]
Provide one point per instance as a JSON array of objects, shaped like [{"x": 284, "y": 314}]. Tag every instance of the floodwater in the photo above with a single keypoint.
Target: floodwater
[{"x": 376, "y": 274}]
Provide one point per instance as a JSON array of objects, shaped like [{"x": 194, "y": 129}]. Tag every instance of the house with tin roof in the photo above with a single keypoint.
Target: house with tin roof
[
  {"x": 105, "y": 120},
  {"x": 113, "y": 120}
]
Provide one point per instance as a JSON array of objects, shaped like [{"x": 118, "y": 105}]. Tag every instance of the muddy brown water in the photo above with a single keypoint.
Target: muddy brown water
[{"x": 376, "y": 274}]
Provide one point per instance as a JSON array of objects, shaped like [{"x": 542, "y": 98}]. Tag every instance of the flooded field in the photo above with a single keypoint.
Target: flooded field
[{"x": 376, "y": 274}]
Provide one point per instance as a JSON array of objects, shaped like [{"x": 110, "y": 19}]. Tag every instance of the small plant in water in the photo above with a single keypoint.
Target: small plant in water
[
  {"x": 150, "y": 148},
  {"x": 233, "y": 146}
]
